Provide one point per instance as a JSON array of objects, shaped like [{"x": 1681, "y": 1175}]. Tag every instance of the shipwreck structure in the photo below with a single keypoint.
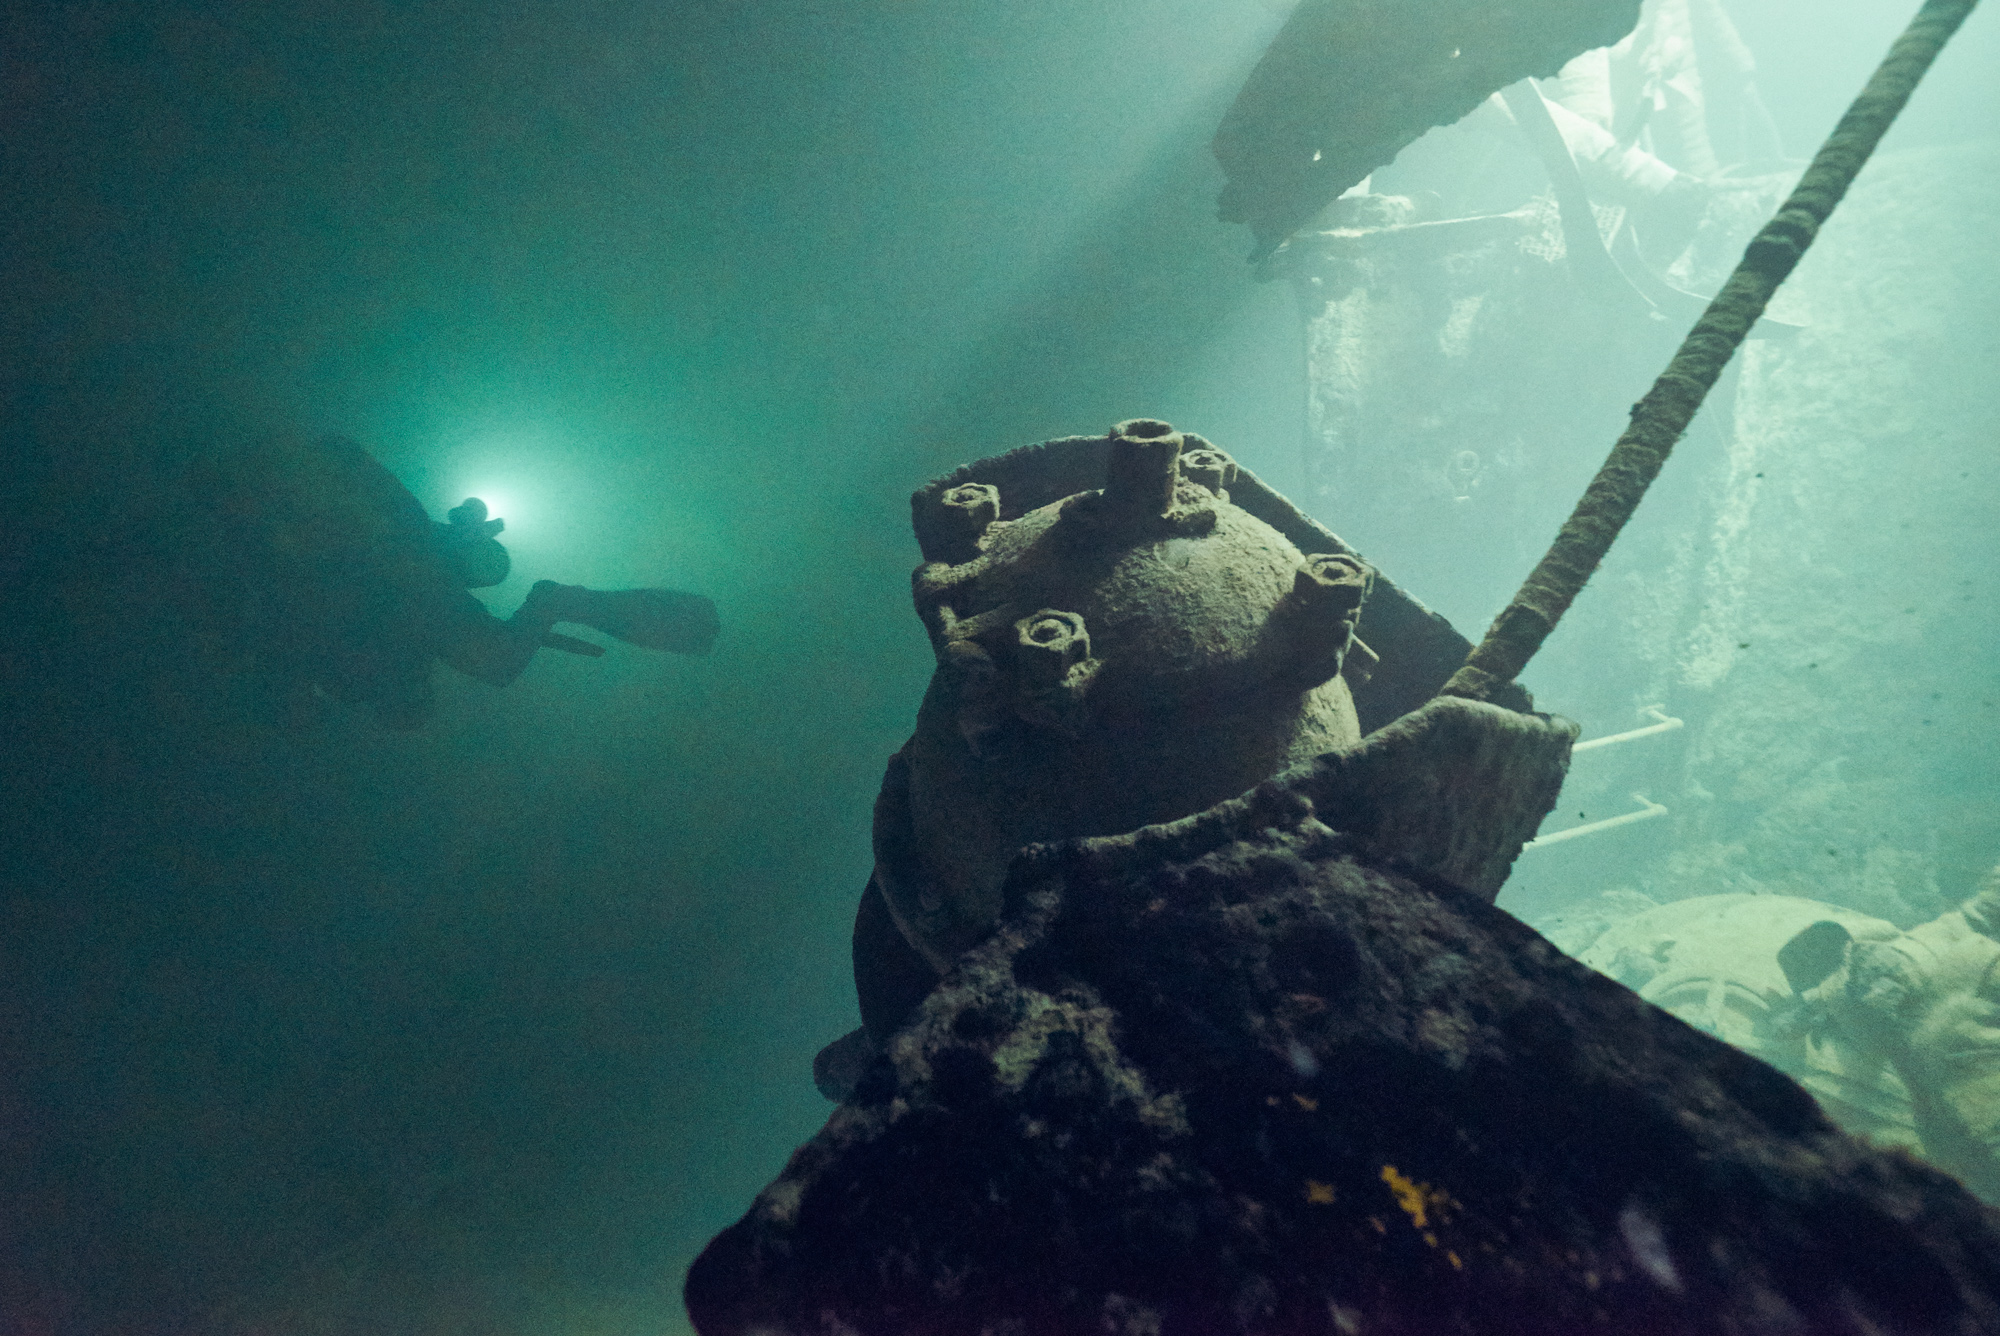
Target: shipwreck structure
[
  {"x": 1278, "y": 1065},
  {"x": 1140, "y": 1059},
  {"x": 1108, "y": 658}
]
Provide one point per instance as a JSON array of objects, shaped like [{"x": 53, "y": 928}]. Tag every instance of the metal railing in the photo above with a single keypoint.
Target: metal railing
[{"x": 1662, "y": 722}]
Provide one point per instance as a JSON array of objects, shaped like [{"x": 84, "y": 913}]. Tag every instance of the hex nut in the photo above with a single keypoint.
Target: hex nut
[
  {"x": 979, "y": 502},
  {"x": 961, "y": 516},
  {"x": 1053, "y": 671},
  {"x": 1048, "y": 644},
  {"x": 1333, "y": 581},
  {"x": 1209, "y": 467}
]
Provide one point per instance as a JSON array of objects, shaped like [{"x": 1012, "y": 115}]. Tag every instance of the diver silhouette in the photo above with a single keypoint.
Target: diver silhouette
[{"x": 350, "y": 590}]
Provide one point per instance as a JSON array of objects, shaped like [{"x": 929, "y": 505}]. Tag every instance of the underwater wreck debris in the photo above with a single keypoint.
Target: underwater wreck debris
[
  {"x": 1346, "y": 84},
  {"x": 1452, "y": 302},
  {"x": 1235, "y": 1074},
  {"x": 1120, "y": 656},
  {"x": 1923, "y": 1002},
  {"x": 1662, "y": 416},
  {"x": 1279, "y": 1065},
  {"x": 1889, "y": 1029},
  {"x": 1168, "y": 1079},
  {"x": 1128, "y": 629}
]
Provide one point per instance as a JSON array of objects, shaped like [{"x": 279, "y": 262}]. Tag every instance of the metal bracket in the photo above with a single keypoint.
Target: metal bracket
[
  {"x": 1663, "y": 723},
  {"x": 1648, "y": 810}
]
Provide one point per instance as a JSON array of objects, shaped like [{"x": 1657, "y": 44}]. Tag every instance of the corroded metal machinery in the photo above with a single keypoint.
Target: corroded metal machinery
[
  {"x": 1278, "y": 1058},
  {"x": 1129, "y": 628}
]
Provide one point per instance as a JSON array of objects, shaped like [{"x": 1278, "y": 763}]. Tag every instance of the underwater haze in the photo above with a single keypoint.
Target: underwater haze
[{"x": 489, "y": 1026}]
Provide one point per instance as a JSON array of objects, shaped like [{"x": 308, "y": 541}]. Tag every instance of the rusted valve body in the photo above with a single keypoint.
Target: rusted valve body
[
  {"x": 1118, "y": 657},
  {"x": 1129, "y": 628}
]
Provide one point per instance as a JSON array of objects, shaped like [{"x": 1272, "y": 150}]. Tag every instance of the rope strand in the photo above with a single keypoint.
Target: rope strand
[{"x": 1661, "y": 418}]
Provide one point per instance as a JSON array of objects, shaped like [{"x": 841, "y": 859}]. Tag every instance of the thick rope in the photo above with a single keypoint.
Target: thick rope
[{"x": 1660, "y": 419}]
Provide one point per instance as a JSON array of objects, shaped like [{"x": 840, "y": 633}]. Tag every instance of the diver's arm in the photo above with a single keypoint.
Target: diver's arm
[{"x": 480, "y": 645}]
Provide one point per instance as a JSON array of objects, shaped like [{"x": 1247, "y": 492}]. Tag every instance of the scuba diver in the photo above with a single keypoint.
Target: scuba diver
[{"x": 350, "y": 590}]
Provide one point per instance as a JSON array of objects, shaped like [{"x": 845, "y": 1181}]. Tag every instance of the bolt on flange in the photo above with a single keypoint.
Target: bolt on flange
[
  {"x": 1053, "y": 670},
  {"x": 1207, "y": 467},
  {"x": 957, "y": 519},
  {"x": 1144, "y": 466},
  {"x": 1312, "y": 628},
  {"x": 1333, "y": 582},
  {"x": 1145, "y": 494}
]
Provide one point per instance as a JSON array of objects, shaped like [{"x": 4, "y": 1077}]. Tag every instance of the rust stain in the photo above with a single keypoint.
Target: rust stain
[{"x": 1418, "y": 1200}]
